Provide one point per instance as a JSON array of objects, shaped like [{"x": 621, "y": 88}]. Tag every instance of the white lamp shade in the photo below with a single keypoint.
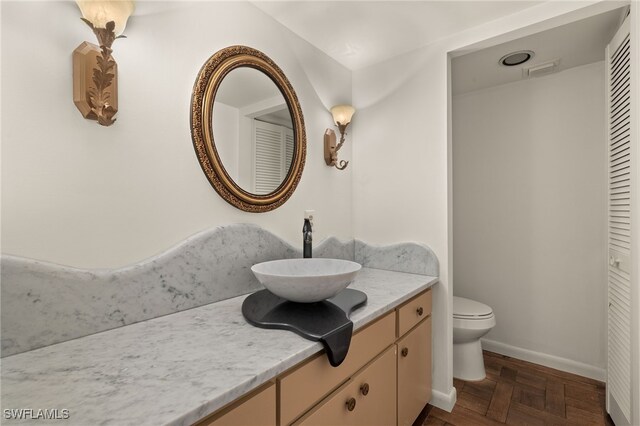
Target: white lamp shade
[
  {"x": 342, "y": 114},
  {"x": 99, "y": 12}
]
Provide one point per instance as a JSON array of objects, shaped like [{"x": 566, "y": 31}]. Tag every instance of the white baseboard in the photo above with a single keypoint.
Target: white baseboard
[
  {"x": 547, "y": 360},
  {"x": 442, "y": 400}
]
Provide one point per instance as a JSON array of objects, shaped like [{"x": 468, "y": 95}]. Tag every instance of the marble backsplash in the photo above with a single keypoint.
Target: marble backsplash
[
  {"x": 43, "y": 303},
  {"x": 413, "y": 258}
]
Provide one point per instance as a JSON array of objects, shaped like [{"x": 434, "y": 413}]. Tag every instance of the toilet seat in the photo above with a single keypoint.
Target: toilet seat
[
  {"x": 474, "y": 323},
  {"x": 467, "y": 309}
]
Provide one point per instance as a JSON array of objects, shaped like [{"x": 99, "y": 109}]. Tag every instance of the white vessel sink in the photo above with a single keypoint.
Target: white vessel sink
[{"x": 306, "y": 280}]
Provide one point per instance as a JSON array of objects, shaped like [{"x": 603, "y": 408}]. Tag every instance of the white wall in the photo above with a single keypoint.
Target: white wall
[
  {"x": 80, "y": 194},
  {"x": 529, "y": 212},
  {"x": 402, "y": 171},
  {"x": 226, "y": 122}
]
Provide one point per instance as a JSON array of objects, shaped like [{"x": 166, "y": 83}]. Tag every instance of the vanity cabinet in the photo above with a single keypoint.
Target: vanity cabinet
[
  {"x": 414, "y": 357},
  {"x": 367, "y": 399},
  {"x": 384, "y": 380},
  {"x": 305, "y": 385},
  {"x": 413, "y": 311},
  {"x": 256, "y": 409},
  {"x": 414, "y": 372}
]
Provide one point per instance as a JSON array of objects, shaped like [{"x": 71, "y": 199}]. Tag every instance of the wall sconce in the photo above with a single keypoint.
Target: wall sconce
[
  {"x": 342, "y": 117},
  {"x": 95, "y": 73}
]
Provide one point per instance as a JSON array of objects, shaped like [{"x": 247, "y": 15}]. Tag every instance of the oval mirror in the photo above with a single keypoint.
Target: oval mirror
[{"x": 247, "y": 129}]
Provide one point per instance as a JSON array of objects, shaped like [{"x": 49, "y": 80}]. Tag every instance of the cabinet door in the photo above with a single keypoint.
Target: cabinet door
[
  {"x": 414, "y": 372},
  {"x": 307, "y": 385},
  {"x": 367, "y": 399},
  {"x": 258, "y": 409}
]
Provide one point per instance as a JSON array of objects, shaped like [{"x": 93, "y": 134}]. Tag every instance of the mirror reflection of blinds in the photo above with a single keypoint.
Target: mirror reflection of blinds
[
  {"x": 288, "y": 151},
  {"x": 273, "y": 148}
]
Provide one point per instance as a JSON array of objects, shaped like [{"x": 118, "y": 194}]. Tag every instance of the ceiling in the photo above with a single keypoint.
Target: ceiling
[
  {"x": 578, "y": 43},
  {"x": 360, "y": 33},
  {"x": 246, "y": 86}
]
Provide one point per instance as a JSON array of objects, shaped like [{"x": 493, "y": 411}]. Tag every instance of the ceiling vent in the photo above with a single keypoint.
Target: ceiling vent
[
  {"x": 516, "y": 58},
  {"x": 541, "y": 69}
]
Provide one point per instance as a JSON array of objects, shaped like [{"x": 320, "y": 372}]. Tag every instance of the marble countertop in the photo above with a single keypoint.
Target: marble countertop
[{"x": 176, "y": 369}]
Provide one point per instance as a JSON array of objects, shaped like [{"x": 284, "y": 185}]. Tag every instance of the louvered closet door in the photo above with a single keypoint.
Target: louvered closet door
[
  {"x": 269, "y": 156},
  {"x": 619, "y": 293},
  {"x": 273, "y": 153}
]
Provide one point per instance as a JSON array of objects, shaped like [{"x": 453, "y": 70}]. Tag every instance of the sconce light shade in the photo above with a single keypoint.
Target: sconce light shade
[
  {"x": 99, "y": 12},
  {"x": 342, "y": 114},
  {"x": 341, "y": 117}
]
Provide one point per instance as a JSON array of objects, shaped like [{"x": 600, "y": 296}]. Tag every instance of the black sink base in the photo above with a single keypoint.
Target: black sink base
[{"x": 327, "y": 321}]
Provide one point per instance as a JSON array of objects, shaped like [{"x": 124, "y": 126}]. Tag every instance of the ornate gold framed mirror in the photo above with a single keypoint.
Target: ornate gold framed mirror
[{"x": 248, "y": 129}]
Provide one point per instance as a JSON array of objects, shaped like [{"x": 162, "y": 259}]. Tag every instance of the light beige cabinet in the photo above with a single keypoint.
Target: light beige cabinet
[
  {"x": 256, "y": 409},
  {"x": 308, "y": 383},
  {"x": 414, "y": 357},
  {"x": 368, "y": 399},
  {"x": 384, "y": 380},
  {"x": 414, "y": 372},
  {"x": 413, "y": 311}
]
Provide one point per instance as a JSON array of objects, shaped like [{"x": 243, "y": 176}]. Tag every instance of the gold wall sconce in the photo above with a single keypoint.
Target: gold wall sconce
[
  {"x": 95, "y": 73},
  {"x": 342, "y": 117}
]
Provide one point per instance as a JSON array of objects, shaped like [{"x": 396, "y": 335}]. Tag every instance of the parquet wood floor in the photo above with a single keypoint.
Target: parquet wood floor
[{"x": 517, "y": 392}]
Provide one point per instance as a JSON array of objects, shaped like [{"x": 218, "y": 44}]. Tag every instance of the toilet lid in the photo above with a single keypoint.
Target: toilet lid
[{"x": 467, "y": 308}]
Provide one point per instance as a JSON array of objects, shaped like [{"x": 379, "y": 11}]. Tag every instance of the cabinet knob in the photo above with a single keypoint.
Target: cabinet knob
[
  {"x": 351, "y": 404},
  {"x": 405, "y": 351},
  {"x": 420, "y": 311},
  {"x": 364, "y": 389}
]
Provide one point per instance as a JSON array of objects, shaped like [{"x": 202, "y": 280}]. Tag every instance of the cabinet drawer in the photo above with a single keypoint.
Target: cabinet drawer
[
  {"x": 377, "y": 407},
  {"x": 256, "y": 409},
  {"x": 304, "y": 386},
  {"x": 414, "y": 311},
  {"x": 414, "y": 373}
]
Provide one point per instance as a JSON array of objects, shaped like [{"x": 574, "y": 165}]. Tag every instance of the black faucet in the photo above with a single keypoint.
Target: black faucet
[{"x": 307, "y": 239}]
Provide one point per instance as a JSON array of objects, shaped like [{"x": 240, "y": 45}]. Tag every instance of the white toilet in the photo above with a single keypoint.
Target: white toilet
[{"x": 471, "y": 321}]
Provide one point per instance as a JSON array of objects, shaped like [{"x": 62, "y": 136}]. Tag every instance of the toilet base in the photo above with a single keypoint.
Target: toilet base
[{"x": 468, "y": 363}]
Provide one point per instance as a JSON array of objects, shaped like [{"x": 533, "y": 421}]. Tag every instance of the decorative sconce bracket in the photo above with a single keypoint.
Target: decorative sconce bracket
[
  {"x": 95, "y": 76},
  {"x": 95, "y": 72},
  {"x": 331, "y": 150},
  {"x": 94, "y": 104}
]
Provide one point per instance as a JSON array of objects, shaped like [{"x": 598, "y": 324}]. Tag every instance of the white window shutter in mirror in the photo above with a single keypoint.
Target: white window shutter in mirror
[{"x": 273, "y": 151}]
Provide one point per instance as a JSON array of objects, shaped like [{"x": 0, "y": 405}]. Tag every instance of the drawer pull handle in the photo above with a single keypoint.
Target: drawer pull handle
[
  {"x": 405, "y": 351},
  {"x": 364, "y": 389},
  {"x": 420, "y": 311},
  {"x": 351, "y": 404}
]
